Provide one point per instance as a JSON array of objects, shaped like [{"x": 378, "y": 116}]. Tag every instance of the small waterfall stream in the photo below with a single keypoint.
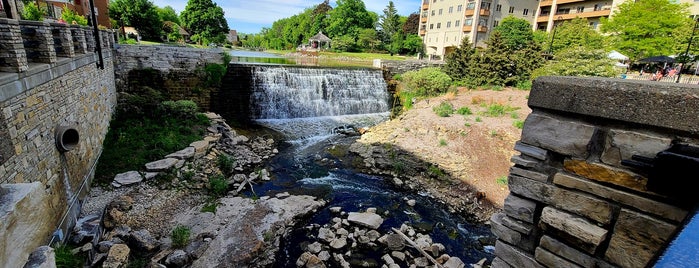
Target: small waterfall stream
[{"x": 305, "y": 105}]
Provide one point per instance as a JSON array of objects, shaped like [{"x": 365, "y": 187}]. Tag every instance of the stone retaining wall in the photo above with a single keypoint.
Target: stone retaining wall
[
  {"x": 393, "y": 67},
  {"x": 177, "y": 71},
  {"x": 45, "y": 82},
  {"x": 572, "y": 202}
]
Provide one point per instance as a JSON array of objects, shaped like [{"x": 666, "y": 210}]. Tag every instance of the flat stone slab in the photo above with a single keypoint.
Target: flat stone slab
[
  {"x": 369, "y": 220},
  {"x": 183, "y": 154},
  {"x": 161, "y": 165},
  {"x": 127, "y": 178}
]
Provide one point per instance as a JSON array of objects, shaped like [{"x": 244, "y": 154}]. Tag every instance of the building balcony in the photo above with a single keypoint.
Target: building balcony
[
  {"x": 545, "y": 3},
  {"x": 543, "y": 18},
  {"x": 423, "y": 32},
  {"x": 423, "y": 19},
  {"x": 560, "y": 2},
  {"x": 484, "y": 12},
  {"x": 482, "y": 29},
  {"x": 469, "y": 12},
  {"x": 591, "y": 14},
  {"x": 467, "y": 28},
  {"x": 425, "y": 6}
]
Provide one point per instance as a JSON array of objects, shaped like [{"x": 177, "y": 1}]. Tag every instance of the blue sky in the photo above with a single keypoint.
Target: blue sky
[{"x": 252, "y": 16}]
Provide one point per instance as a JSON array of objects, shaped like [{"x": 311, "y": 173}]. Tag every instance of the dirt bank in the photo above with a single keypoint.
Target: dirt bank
[{"x": 472, "y": 150}]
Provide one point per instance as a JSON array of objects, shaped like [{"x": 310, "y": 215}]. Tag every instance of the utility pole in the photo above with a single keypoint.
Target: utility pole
[{"x": 686, "y": 52}]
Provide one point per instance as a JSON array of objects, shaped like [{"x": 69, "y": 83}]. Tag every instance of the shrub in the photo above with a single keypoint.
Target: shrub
[
  {"x": 444, "y": 109},
  {"x": 66, "y": 259},
  {"x": 70, "y": 16},
  {"x": 180, "y": 236},
  {"x": 406, "y": 99},
  {"x": 184, "y": 109},
  {"x": 225, "y": 163},
  {"x": 429, "y": 81},
  {"x": 464, "y": 111},
  {"x": 218, "y": 185},
  {"x": 32, "y": 12},
  {"x": 215, "y": 73}
]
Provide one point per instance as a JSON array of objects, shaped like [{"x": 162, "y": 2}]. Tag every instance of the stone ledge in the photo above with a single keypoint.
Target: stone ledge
[{"x": 666, "y": 105}]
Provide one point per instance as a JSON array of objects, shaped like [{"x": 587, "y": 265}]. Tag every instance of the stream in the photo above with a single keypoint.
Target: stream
[{"x": 304, "y": 166}]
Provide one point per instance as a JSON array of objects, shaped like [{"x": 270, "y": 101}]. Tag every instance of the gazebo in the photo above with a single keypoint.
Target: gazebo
[{"x": 318, "y": 40}]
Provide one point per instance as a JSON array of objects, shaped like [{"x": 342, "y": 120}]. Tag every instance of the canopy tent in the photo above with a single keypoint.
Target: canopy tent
[
  {"x": 617, "y": 56},
  {"x": 318, "y": 40},
  {"x": 665, "y": 59}
]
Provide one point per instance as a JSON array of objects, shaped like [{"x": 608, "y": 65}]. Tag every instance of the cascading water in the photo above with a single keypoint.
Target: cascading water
[
  {"x": 294, "y": 92},
  {"x": 305, "y": 105}
]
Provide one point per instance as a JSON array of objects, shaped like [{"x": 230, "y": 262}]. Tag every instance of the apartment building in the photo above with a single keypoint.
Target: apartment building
[
  {"x": 444, "y": 23},
  {"x": 552, "y": 12}
]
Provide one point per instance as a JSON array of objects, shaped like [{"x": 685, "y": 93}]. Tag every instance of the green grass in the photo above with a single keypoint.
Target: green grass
[
  {"x": 444, "y": 109},
  {"x": 66, "y": 259},
  {"x": 479, "y": 119},
  {"x": 180, "y": 236},
  {"x": 360, "y": 55},
  {"x": 225, "y": 163},
  {"x": 497, "y": 110},
  {"x": 131, "y": 143},
  {"x": 502, "y": 180},
  {"x": 464, "y": 111},
  {"x": 442, "y": 142},
  {"x": 218, "y": 185},
  {"x": 518, "y": 124},
  {"x": 209, "y": 207},
  {"x": 406, "y": 99}
]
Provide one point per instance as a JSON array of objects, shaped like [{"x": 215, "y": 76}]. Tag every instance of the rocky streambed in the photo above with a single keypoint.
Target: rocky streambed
[{"x": 279, "y": 209}]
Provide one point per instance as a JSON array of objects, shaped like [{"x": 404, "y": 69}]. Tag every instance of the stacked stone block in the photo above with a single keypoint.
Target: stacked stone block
[
  {"x": 78, "y": 34},
  {"x": 62, "y": 40},
  {"x": 572, "y": 202},
  {"x": 13, "y": 58},
  {"x": 38, "y": 41}
]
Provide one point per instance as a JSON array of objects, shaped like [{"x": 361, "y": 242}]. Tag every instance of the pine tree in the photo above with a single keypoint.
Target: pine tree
[{"x": 460, "y": 62}]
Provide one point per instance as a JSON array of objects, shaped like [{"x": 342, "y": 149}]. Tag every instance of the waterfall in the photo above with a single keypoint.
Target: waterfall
[{"x": 284, "y": 92}]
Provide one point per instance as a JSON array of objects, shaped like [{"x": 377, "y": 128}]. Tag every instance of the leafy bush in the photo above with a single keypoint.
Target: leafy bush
[
  {"x": 183, "y": 109},
  {"x": 180, "y": 236},
  {"x": 218, "y": 185},
  {"x": 444, "y": 109},
  {"x": 215, "y": 73},
  {"x": 429, "y": 81},
  {"x": 225, "y": 163},
  {"x": 32, "y": 12},
  {"x": 72, "y": 17},
  {"x": 464, "y": 111},
  {"x": 579, "y": 61}
]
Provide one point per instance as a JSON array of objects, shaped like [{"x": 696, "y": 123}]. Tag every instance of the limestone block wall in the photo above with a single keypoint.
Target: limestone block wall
[
  {"x": 43, "y": 85},
  {"x": 572, "y": 202},
  {"x": 177, "y": 71},
  {"x": 393, "y": 67}
]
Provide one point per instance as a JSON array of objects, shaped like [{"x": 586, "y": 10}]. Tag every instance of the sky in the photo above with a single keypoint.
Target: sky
[{"x": 252, "y": 16}]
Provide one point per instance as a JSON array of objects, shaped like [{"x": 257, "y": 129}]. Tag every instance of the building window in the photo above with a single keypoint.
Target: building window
[
  {"x": 495, "y": 23},
  {"x": 525, "y": 12},
  {"x": 563, "y": 11},
  {"x": 424, "y": 14},
  {"x": 451, "y": 10},
  {"x": 471, "y": 6},
  {"x": 431, "y": 26},
  {"x": 485, "y": 5},
  {"x": 439, "y": 25},
  {"x": 459, "y": 7},
  {"x": 432, "y": 12},
  {"x": 468, "y": 22},
  {"x": 446, "y": 39},
  {"x": 581, "y": 9},
  {"x": 457, "y": 23},
  {"x": 440, "y": 11},
  {"x": 598, "y": 7},
  {"x": 483, "y": 22},
  {"x": 448, "y": 24},
  {"x": 498, "y": 8},
  {"x": 512, "y": 10}
]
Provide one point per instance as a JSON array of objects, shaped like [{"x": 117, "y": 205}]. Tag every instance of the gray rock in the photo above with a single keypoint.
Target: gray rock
[
  {"x": 398, "y": 255},
  {"x": 161, "y": 165},
  {"x": 338, "y": 243},
  {"x": 369, "y": 220},
  {"x": 42, "y": 257},
  {"x": 183, "y": 154},
  {"x": 395, "y": 242},
  {"x": 127, "y": 178},
  {"x": 324, "y": 255},
  {"x": 103, "y": 246},
  {"x": 411, "y": 202},
  {"x": 141, "y": 240},
  {"x": 454, "y": 262},
  {"x": 335, "y": 209},
  {"x": 117, "y": 257},
  {"x": 301, "y": 261},
  {"x": 315, "y": 247},
  {"x": 200, "y": 147},
  {"x": 177, "y": 258},
  {"x": 326, "y": 234}
]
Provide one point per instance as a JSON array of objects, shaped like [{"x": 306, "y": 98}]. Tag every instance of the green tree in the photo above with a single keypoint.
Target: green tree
[
  {"x": 459, "y": 64},
  {"x": 172, "y": 31},
  {"x": 205, "y": 20},
  {"x": 648, "y": 28},
  {"x": 140, "y": 14},
  {"x": 348, "y": 17},
  {"x": 168, "y": 13},
  {"x": 579, "y": 61},
  {"x": 389, "y": 23},
  {"x": 576, "y": 33},
  {"x": 516, "y": 33},
  {"x": 368, "y": 39},
  {"x": 412, "y": 44},
  {"x": 412, "y": 23}
]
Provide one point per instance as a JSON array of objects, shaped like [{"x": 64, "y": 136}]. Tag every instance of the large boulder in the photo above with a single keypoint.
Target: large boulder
[{"x": 366, "y": 219}]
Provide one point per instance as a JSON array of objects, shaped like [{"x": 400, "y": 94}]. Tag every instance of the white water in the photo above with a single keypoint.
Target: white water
[{"x": 282, "y": 92}]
